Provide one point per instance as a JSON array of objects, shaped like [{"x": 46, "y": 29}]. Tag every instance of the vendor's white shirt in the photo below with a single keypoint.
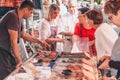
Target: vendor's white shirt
[
  {"x": 44, "y": 29},
  {"x": 105, "y": 37}
]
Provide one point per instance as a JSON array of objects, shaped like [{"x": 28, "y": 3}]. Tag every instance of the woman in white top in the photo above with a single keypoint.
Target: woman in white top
[
  {"x": 48, "y": 28},
  {"x": 105, "y": 37}
]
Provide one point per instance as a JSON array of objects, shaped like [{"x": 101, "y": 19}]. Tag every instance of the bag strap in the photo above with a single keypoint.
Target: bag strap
[{"x": 81, "y": 26}]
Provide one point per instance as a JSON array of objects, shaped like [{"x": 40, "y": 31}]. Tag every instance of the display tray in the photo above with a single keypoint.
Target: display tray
[
  {"x": 58, "y": 76},
  {"x": 42, "y": 63},
  {"x": 73, "y": 55},
  {"x": 75, "y": 72},
  {"x": 66, "y": 74},
  {"x": 71, "y": 67},
  {"x": 47, "y": 55},
  {"x": 69, "y": 61}
]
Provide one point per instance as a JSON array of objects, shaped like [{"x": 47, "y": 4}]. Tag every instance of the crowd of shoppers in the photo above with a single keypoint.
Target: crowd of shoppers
[{"x": 75, "y": 23}]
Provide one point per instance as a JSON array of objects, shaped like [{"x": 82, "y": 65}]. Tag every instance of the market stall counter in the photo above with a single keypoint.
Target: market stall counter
[{"x": 47, "y": 65}]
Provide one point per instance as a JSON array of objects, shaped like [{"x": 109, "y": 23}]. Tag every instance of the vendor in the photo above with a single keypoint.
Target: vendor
[{"x": 11, "y": 29}]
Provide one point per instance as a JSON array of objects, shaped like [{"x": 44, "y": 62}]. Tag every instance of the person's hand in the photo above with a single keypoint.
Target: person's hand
[
  {"x": 87, "y": 61},
  {"x": 105, "y": 64},
  {"x": 19, "y": 63},
  {"x": 44, "y": 44},
  {"x": 66, "y": 33},
  {"x": 62, "y": 33},
  {"x": 61, "y": 40},
  {"x": 104, "y": 57},
  {"x": 87, "y": 55}
]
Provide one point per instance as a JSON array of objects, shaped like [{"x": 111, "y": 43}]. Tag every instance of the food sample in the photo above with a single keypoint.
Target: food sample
[
  {"x": 70, "y": 67},
  {"x": 78, "y": 55},
  {"x": 74, "y": 67},
  {"x": 69, "y": 60},
  {"x": 53, "y": 55},
  {"x": 47, "y": 54}
]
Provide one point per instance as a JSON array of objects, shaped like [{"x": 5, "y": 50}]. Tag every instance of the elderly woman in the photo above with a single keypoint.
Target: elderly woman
[{"x": 48, "y": 28}]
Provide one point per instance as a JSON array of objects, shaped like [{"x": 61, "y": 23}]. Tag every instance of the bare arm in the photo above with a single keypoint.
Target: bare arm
[
  {"x": 75, "y": 38},
  {"x": 13, "y": 38},
  {"x": 54, "y": 40},
  {"x": 66, "y": 33},
  {"x": 28, "y": 37},
  {"x": 91, "y": 42}
]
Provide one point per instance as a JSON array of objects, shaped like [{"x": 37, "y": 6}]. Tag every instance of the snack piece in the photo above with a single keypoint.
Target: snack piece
[
  {"x": 71, "y": 60},
  {"x": 80, "y": 75},
  {"x": 53, "y": 55},
  {"x": 70, "y": 67},
  {"x": 77, "y": 67},
  {"x": 40, "y": 56}
]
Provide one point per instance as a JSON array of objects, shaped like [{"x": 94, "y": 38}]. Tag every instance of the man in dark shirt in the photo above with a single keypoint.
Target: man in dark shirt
[{"x": 11, "y": 29}]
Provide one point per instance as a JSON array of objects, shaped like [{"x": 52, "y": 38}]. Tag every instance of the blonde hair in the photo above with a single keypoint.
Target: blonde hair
[{"x": 52, "y": 8}]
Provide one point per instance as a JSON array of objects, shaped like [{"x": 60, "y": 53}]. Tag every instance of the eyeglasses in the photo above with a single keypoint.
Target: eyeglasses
[{"x": 110, "y": 17}]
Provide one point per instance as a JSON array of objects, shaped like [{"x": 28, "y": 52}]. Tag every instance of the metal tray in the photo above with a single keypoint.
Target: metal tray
[
  {"x": 67, "y": 66},
  {"x": 69, "y": 61},
  {"x": 47, "y": 55},
  {"x": 73, "y": 55},
  {"x": 74, "y": 75}
]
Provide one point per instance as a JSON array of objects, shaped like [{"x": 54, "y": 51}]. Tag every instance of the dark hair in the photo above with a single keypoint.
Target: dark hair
[
  {"x": 112, "y": 6},
  {"x": 95, "y": 15},
  {"x": 83, "y": 9},
  {"x": 27, "y": 3}
]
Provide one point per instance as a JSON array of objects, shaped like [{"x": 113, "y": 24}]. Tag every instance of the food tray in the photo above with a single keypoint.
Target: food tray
[
  {"x": 69, "y": 61},
  {"x": 43, "y": 62},
  {"x": 73, "y": 55},
  {"x": 59, "y": 75},
  {"x": 47, "y": 55},
  {"x": 67, "y": 66},
  {"x": 76, "y": 73}
]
